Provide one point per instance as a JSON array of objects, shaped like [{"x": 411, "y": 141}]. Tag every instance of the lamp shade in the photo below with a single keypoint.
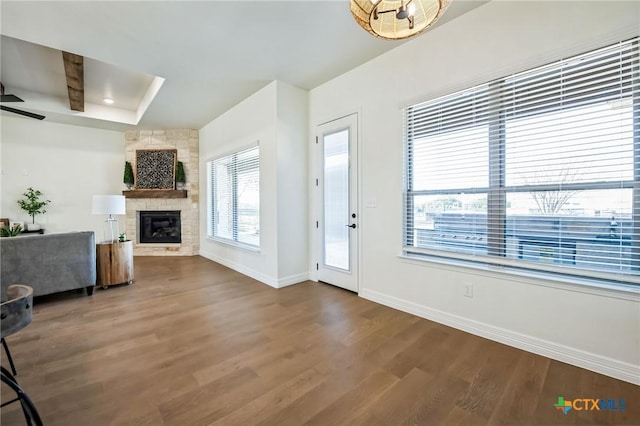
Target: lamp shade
[
  {"x": 395, "y": 20},
  {"x": 108, "y": 204}
]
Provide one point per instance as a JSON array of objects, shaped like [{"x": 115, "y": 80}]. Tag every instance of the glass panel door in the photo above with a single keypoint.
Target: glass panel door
[{"x": 337, "y": 199}]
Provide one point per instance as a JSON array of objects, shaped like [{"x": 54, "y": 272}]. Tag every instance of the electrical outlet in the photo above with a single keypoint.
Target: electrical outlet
[{"x": 468, "y": 290}]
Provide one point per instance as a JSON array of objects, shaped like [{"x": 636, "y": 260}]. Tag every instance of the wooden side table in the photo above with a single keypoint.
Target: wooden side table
[{"x": 114, "y": 263}]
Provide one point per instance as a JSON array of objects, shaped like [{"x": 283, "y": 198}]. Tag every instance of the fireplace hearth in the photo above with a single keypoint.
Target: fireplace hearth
[{"x": 159, "y": 227}]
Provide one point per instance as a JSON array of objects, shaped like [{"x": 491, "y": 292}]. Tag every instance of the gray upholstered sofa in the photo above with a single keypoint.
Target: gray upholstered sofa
[{"x": 49, "y": 263}]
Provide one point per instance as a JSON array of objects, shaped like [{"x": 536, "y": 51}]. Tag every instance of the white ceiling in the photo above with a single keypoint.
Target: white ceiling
[{"x": 211, "y": 55}]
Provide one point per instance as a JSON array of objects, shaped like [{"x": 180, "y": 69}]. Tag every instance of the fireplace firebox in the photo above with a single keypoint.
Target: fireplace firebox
[{"x": 159, "y": 226}]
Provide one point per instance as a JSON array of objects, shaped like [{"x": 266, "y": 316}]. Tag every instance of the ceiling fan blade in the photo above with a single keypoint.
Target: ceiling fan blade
[
  {"x": 10, "y": 98},
  {"x": 25, "y": 113}
]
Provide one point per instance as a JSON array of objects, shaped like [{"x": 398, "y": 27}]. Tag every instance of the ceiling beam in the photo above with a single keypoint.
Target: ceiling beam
[{"x": 74, "y": 71}]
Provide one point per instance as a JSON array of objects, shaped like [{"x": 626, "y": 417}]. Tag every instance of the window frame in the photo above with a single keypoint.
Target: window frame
[
  {"x": 211, "y": 198},
  {"x": 478, "y": 97}
]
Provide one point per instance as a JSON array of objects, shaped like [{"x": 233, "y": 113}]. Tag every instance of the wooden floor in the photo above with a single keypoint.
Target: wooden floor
[{"x": 195, "y": 343}]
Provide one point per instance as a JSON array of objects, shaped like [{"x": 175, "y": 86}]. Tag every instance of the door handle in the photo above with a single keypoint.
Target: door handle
[{"x": 353, "y": 225}]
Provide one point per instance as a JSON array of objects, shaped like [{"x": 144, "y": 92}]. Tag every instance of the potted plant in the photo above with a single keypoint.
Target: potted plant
[
  {"x": 180, "y": 176},
  {"x": 13, "y": 231},
  {"x": 128, "y": 175},
  {"x": 33, "y": 205}
]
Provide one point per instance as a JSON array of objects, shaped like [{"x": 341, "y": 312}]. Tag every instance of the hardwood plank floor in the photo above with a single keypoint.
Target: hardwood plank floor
[{"x": 195, "y": 343}]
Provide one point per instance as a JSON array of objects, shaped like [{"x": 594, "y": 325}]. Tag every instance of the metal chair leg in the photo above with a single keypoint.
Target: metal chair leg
[
  {"x": 6, "y": 350},
  {"x": 28, "y": 407}
]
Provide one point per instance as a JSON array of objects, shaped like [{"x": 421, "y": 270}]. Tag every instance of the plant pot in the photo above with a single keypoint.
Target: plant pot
[{"x": 33, "y": 226}]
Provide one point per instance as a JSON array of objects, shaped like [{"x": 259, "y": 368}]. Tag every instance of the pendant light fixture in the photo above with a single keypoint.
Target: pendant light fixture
[{"x": 395, "y": 20}]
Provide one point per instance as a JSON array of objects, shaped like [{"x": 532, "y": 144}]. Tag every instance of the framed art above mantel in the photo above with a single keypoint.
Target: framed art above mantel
[{"x": 156, "y": 168}]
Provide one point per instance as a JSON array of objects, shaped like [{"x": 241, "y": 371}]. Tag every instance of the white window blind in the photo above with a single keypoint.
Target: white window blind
[
  {"x": 537, "y": 170},
  {"x": 234, "y": 186}
]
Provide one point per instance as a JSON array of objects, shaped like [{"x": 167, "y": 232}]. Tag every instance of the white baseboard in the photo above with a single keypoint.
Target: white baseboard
[
  {"x": 590, "y": 361},
  {"x": 256, "y": 275},
  {"x": 293, "y": 279}
]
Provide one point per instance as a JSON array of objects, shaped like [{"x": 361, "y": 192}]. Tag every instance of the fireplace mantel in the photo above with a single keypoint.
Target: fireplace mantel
[{"x": 155, "y": 193}]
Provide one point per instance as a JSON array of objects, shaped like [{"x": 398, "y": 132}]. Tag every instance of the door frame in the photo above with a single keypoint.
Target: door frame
[{"x": 318, "y": 205}]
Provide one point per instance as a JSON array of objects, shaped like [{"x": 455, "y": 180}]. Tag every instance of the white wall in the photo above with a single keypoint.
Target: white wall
[
  {"x": 293, "y": 241},
  {"x": 599, "y": 330},
  {"x": 252, "y": 120},
  {"x": 270, "y": 117},
  {"x": 67, "y": 163}
]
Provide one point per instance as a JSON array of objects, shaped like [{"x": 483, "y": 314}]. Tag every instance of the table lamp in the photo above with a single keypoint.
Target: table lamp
[{"x": 109, "y": 205}]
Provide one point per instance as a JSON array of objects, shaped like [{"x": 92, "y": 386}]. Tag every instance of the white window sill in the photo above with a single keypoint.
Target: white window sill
[{"x": 566, "y": 282}]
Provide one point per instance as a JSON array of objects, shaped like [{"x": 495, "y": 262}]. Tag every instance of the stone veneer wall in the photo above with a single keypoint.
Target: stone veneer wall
[{"x": 186, "y": 142}]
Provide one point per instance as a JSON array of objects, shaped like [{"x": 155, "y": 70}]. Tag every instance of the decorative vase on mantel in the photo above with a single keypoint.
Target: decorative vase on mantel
[
  {"x": 180, "y": 176},
  {"x": 128, "y": 178}
]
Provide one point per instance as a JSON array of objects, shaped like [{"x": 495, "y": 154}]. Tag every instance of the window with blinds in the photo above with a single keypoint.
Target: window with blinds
[
  {"x": 537, "y": 170},
  {"x": 234, "y": 195}
]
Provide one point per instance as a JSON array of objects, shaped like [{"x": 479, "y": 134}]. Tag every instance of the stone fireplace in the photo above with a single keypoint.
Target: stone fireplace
[{"x": 164, "y": 222}]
